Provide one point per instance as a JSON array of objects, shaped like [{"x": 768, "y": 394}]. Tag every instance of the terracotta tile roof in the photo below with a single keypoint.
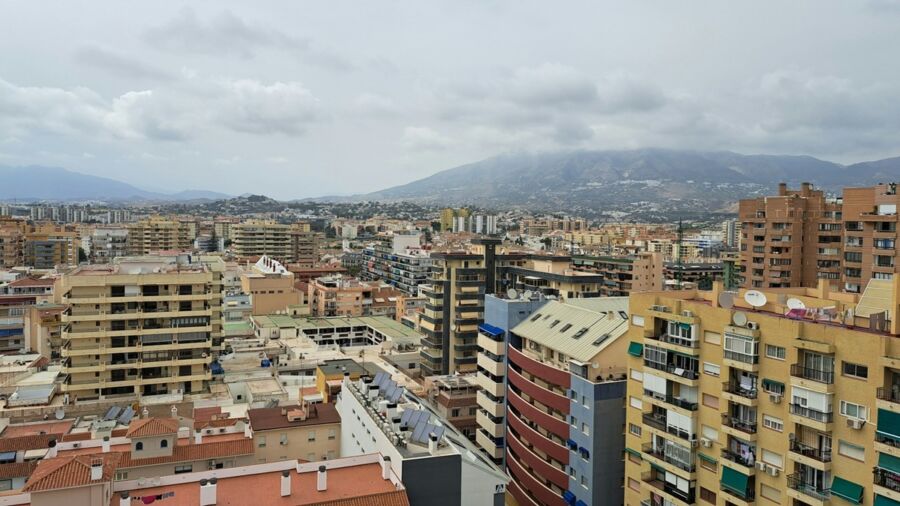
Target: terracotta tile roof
[
  {"x": 29, "y": 429},
  {"x": 33, "y": 442},
  {"x": 271, "y": 418},
  {"x": 147, "y": 427},
  {"x": 68, "y": 472},
  {"x": 32, "y": 282},
  {"x": 192, "y": 452},
  {"x": 206, "y": 414},
  {"x": 395, "y": 498},
  {"x": 17, "y": 469},
  {"x": 224, "y": 422}
]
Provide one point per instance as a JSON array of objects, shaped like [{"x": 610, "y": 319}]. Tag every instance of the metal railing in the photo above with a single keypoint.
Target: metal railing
[
  {"x": 811, "y": 451},
  {"x": 797, "y": 482},
  {"x": 737, "y": 458},
  {"x": 812, "y": 414},
  {"x": 735, "y": 388},
  {"x": 671, "y": 399},
  {"x": 741, "y": 424},
  {"x": 818, "y": 375},
  {"x": 886, "y": 479}
]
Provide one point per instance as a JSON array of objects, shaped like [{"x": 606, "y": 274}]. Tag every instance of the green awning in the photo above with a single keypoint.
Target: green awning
[
  {"x": 889, "y": 424},
  {"x": 889, "y": 463},
  {"x": 735, "y": 481},
  {"x": 847, "y": 490},
  {"x": 770, "y": 384},
  {"x": 707, "y": 458},
  {"x": 881, "y": 500},
  {"x": 657, "y": 468},
  {"x": 635, "y": 349},
  {"x": 633, "y": 452},
  {"x": 686, "y": 326}
]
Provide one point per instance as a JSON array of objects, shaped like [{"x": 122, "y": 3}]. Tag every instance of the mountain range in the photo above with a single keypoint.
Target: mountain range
[
  {"x": 649, "y": 184},
  {"x": 35, "y": 183}
]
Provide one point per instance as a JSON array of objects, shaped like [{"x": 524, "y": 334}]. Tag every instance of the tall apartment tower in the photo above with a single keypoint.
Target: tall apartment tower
[
  {"x": 262, "y": 237},
  {"x": 784, "y": 396},
  {"x": 48, "y": 245},
  {"x": 791, "y": 239},
  {"x": 157, "y": 234},
  {"x": 12, "y": 242},
  {"x": 799, "y": 237},
  {"x": 304, "y": 245},
  {"x": 141, "y": 326}
]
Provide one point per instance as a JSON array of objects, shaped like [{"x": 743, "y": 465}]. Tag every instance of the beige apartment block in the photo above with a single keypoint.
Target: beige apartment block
[
  {"x": 157, "y": 234},
  {"x": 12, "y": 242},
  {"x": 311, "y": 432},
  {"x": 140, "y": 326},
  {"x": 271, "y": 287},
  {"x": 48, "y": 245},
  {"x": 261, "y": 237},
  {"x": 792, "y": 400}
]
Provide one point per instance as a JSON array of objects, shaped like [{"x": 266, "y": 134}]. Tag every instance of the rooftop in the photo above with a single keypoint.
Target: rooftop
[
  {"x": 149, "y": 427},
  {"x": 337, "y": 367},
  {"x": 72, "y": 471},
  {"x": 289, "y": 416}
]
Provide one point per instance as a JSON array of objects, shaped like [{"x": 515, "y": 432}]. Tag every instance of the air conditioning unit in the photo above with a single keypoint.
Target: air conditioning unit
[
  {"x": 661, "y": 309},
  {"x": 761, "y": 466},
  {"x": 855, "y": 423},
  {"x": 707, "y": 443},
  {"x": 773, "y": 471},
  {"x": 752, "y": 325},
  {"x": 689, "y": 314},
  {"x": 775, "y": 398},
  {"x": 694, "y": 443}
]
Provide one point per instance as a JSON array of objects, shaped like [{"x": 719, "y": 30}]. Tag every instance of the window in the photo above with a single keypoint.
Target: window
[
  {"x": 584, "y": 482},
  {"x": 634, "y": 484},
  {"x": 707, "y": 495},
  {"x": 311, "y": 436},
  {"x": 708, "y": 464},
  {"x": 636, "y": 403},
  {"x": 855, "y": 370},
  {"x": 261, "y": 442},
  {"x": 139, "y": 446},
  {"x": 454, "y": 412},
  {"x": 851, "y": 410},
  {"x": 776, "y": 352},
  {"x": 164, "y": 443},
  {"x": 565, "y": 327},
  {"x": 773, "y": 387},
  {"x": 712, "y": 337},
  {"x": 586, "y": 429},
  {"x": 637, "y": 375},
  {"x": 634, "y": 429},
  {"x": 121, "y": 475},
  {"x": 710, "y": 401},
  {"x": 184, "y": 469},
  {"x": 770, "y": 493},
  {"x": 773, "y": 459},
  {"x": 711, "y": 369},
  {"x": 852, "y": 451},
  {"x": 776, "y": 424},
  {"x": 332, "y": 434}
]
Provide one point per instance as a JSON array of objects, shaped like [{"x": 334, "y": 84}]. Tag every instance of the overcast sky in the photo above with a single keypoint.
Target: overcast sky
[{"x": 297, "y": 99}]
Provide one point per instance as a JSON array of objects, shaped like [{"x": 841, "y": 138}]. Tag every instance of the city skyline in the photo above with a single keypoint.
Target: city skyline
[{"x": 339, "y": 101}]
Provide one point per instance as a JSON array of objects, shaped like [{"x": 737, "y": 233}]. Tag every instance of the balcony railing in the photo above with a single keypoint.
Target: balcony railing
[
  {"x": 741, "y": 424},
  {"x": 735, "y": 388},
  {"x": 678, "y": 341},
  {"x": 671, "y": 399},
  {"x": 671, "y": 369},
  {"x": 811, "y": 451},
  {"x": 797, "y": 482},
  {"x": 737, "y": 458},
  {"x": 886, "y": 479},
  {"x": 812, "y": 414},
  {"x": 660, "y": 454},
  {"x": 741, "y": 357},
  {"x": 889, "y": 394},
  {"x": 813, "y": 374},
  {"x": 659, "y": 422}
]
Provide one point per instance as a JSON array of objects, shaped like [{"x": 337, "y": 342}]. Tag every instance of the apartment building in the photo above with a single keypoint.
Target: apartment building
[
  {"x": 565, "y": 403},
  {"x": 436, "y": 462},
  {"x": 781, "y": 396},
  {"x": 141, "y": 326},
  {"x": 43, "y": 328},
  {"x": 304, "y": 245},
  {"x": 623, "y": 274},
  {"x": 254, "y": 238},
  {"x": 12, "y": 242},
  {"x": 270, "y": 286},
  {"x": 310, "y": 431},
  {"x": 731, "y": 269},
  {"x": 105, "y": 243},
  {"x": 541, "y": 226},
  {"x": 692, "y": 274},
  {"x": 869, "y": 235},
  {"x": 449, "y": 217},
  {"x": 342, "y": 296},
  {"x": 157, "y": 234},
  {"x": 402, "y": 263},
  {"x": 453, "y": 398},
  {"x": 48, "y": 245}
]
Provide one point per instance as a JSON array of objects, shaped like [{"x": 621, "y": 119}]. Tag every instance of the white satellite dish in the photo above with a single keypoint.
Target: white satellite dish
[
  {"x": 726, "y": 300},
  {"x": 795, "y": 304},
  {"x": 739, "y": 319},
  {"x": 529, "y": 294},
  {"x": 512, "y": 293},
  {"x": 60, "y": 414},
  {"x": 755, "y": 298}
]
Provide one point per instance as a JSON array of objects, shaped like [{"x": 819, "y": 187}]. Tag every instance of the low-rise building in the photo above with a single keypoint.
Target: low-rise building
[{"x": 309, "y": 431}]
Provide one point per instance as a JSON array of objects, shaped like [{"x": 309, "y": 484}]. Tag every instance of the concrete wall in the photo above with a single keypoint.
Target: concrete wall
[{"x": 298, "y": 444}]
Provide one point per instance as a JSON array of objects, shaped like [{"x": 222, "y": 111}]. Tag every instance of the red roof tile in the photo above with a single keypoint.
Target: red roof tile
[
  {"x": 68, "y": 472},
  {"x": 395, "y": 498},
  {"x": 33, "y": 442},
  {"x": 32, "y": 282},
  {"x": 148, "y": 427},
  {"x": 192, "y": 452},
  {"x": 17, "y": 469},
  {"x": 271, "y": 418}
]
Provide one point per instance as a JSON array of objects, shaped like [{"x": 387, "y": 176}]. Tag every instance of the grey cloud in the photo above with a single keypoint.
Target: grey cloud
[
  {"x": 119, "y": 64},
  {"x": 227, "y": 34},
  {"x": 253, "y": 107}
]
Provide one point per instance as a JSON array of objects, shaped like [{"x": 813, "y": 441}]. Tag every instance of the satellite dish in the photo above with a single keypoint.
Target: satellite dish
[
  {"x": 529, "y": 294},
  {"x": 512, "y": 293},
  {"x": 739, "y": 319},
  {"x": 726, "y": 300},
  {"x": 755, "y": 298},
  {"x": 60, "y": 414},
  {"x": 795, "y": 304}
]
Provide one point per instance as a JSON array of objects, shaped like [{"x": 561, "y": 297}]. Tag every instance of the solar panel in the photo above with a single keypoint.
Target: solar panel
[
  {"x": 405, "y": 416},
  {"x": 113, "y": 413},
  {"x": 419, "y": 433},
  {"x": 414, "y": 418},
  {"x": 439, "y": 431},
  {"x": 126, "y": 416},
  {"x": 398, "y": 393},
  {"x": 379, "y": 377}
]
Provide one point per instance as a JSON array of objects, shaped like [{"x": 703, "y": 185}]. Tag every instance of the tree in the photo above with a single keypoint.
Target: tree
[
  {"x": 82, "y": 256},
  {"x": 547, "y": 242}
]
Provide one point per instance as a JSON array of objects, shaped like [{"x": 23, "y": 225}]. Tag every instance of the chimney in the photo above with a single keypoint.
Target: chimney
[
  {"x": 432, "y": 443},
  {"x": 145, "y": 413},
  {"x": 105, "y": 444},
  {"x": 392, "y": 410},
  {"x": 373, "y": 391},
  {"x": 322, "y": 481},
  {"x": 782, "y": 189},
  {"x": 208, "y": 492},
  {"x": 124, "y": 500},
  {"x": 198, "y": 436},
  {"x": 51, "y": 450},
  {"x": 248, "y": 432},
  {"x": 285, "y": 483},
  {"x": 386, "y": 468},
  {"x": 96, "y": 469},
  {"x": 174, "y": 411}
]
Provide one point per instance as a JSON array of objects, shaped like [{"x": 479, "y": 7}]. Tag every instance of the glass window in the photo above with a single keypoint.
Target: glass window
[
  {"x": 855, "y": 370},
  {"x": 776, "y": 352}
]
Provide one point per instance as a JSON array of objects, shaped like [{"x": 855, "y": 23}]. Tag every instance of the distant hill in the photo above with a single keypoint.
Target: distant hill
[
  {"x": 58, "y": 184},
  {"x": 641, "y": 184}
]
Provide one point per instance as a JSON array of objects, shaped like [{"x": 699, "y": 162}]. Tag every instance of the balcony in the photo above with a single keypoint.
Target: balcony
[
  {"x": 737, "y": 458},
  {"x": 529, "y": 433},
  {"x": 543, "y": 371},
  {"x": 888, "y": 398},
  {"x": 744, "y": 425},
  {"x": 886, "y": 479},
  {"x": 657, "y": 481},
  {"x": 546, "y": 397},
  {"x": 816, "y": 491},
  {"x": 672, "y": 400},
  {"x": 812, "y": 414},
  {"x": 545, "y": 469},
  {"x": 538, "y": 417},
  {"x": 658, "y": 453},
  {"x": 812, "y": 374},
  {"x": 671, "y": 369},
  {"x": 736, "y": 393},
  {"x": 810, "y": 452}
]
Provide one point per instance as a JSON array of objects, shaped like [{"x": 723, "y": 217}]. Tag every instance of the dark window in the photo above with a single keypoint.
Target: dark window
[
  {"x": 707, "y": 495},
  {"x": 139, "y": 446},
  {"x": 164, "y": 443},
  {"x": 857, "y": 370}
]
